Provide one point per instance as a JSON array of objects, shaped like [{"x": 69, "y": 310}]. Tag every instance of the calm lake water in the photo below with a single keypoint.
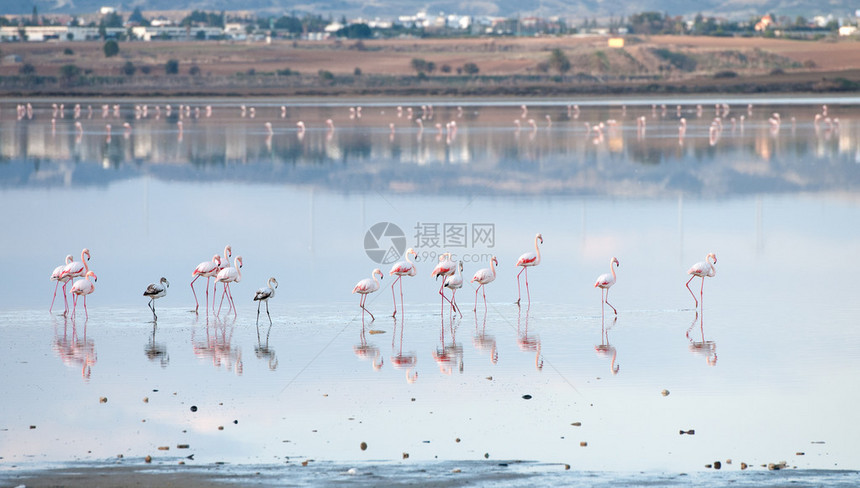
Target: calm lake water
[{"x": 755, "y": 373}]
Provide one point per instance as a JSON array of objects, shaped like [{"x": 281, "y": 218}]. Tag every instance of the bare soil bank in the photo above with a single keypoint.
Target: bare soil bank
[{"x": 507, "y": 67}]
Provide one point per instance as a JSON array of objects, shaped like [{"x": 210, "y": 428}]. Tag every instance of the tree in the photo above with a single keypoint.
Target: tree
[
  {"x": 171, "y": 67},
  {"x": 128, "y": 68},
  {"x": 559, "y": 61},
  {"x": 470, "y": 68},
  {"x": 137, "y": 17},
  {"x": 355, "y": 31},
  {"x": 111, "y": 48},
  {"x": 194, "y": 70},
  {"x": 27, "y": 69},
  {"x": 68, "y": 72},
  {"x": 419, "y": 64}
]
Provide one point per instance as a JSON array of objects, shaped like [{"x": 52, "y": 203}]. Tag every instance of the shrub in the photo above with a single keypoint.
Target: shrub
[
  {"x": 171, "y": 67},
  {"x": 111, "y": 48},
  {"x": 725, "y": 74},
  {"x": 194, "y": 70},
  {"x": 27, "y": 69},
  {"x": 128, "y": 68},
  {"x": 326, "y": 75},
  {"x": 470, "y": 68}
]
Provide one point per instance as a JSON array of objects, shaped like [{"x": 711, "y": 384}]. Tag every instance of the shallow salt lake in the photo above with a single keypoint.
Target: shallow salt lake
[{"x": 762, "y": 373}]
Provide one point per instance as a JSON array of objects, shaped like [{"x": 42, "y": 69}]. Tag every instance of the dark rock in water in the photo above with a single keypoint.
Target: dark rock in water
[
  {"x": 527, "y": 397},
  {"x": 193, "y": 408},
  {"x": 363, "y": 446},
  {"x": 688, "y": 432},
  {"x": 486, "y": 455},
  {"x": 718, "y": 465}
]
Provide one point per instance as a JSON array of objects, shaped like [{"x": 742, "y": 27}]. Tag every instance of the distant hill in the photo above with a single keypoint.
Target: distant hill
[{"x": 566, "y": 9}]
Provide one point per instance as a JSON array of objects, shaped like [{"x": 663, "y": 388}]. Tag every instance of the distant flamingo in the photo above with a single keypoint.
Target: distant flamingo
[
  {"x": 484, "y": 276},
  {"x": 702, "y": 269},
  {"x": 454, "y": 283},
  {"x": 206, "y": 269},
  {"x": 156, "y": 290},
  {"x": 526, "y": 260},
  {"x": 57, "y": 276},
  {"x": 446, "y": 267},
  {"x": 605, "y": 281},
  {"x": 401, "y": 269},
  {"x": 263, "y": 295},
  {"x": 367, "y": 286},
  {"x": 83, "y": 288},
  {"x": 231, "y": 274}
]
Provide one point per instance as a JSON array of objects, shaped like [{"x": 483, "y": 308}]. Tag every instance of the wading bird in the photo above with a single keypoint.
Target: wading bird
[
  {"x": 702, "y": 269},
  {"x": 605, "y": 281},
  {"x": 526, "y": 260},
  {"x": 367, "y": 286},
  {"x": 401, "y": 269},
  {"x": 230, "y": 274},
  {"x": 484, "y": 276},
  {"x": 156, "y": 290},
  {"x": 454, "y": 283},
  {"x": 263, "y": 295},
  {"x": 83, "y": 288},
  {"x": 206, "y": 269},
  {"x": 57, "y": 276}
]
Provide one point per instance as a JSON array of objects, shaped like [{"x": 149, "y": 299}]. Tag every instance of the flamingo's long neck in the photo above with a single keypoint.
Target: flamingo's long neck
[
  {"x": 227, "y": 255},
  {"x": 84, "y": 260},
  {"x": 612, "y": 268},
  {"x": 237, "y": 265},
  {"x": 493, "y": 266},
  {"x": 537, "y": 251}
]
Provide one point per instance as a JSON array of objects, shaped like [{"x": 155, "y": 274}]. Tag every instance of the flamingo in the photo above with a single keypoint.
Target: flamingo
[
  {"x": 445, "y": 268},
  {"x": 83, "y": 288},
  {"x": 603, "y": 282},
  {"x": 367, "y": 286},
  {"x": 263, "y": 295},
  {"x": 57, "y": 276},
  {"x": 156, "y": 290},
  {"x": 526, "y": 260},
  {"x": 484, "y": 276},
  {"x": 230, "y": 274},
  {"x": 223, "y": 263},
  {"x": 454, "y": 283},
  {"x": 401, "y": 269},
  {"x": 77, "y": 269},
  {"x": 702, "y": 269},
  {"x": 206, "y": 269}
]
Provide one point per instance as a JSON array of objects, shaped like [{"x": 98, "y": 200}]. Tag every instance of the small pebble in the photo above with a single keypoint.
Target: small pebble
[
  {"x": 352, "y": 471},
  {"x": 148, "y": 459},
  {"x": 566, "y": 467},
  {"x": 665, "y": 392},
  {"x": 182, "y": 446},
  {"x": 304, "y": 463},
  {"x": 145, "y": 399},
  {"x": 405, "y": 455},
  {"x": 583, "y": 444},
  {"x": 709, "y": 466},
  {"x": 800, "y": 454},
  {"x": 32, "y": 427},
  {"x": 119, "y": 456},
  {"x": 577, "y": 424},
  {"x": 236, "y": 422},
  {"x": 363, "y": 446},
  {"x": 486, "y": 455},
  {"x": 688, "y": 432},
  {"x": 456, "y": 470},
  {"x": 220, "y": 427},
  {"x": 193, "y": 408},
  {"x": 527, "y": 397},
  {"x": 103, "y": 400},
  {"x": 718, "y": 465},
  {"x": 457, "y": 440},
  {"x": 163, "y": 448},
  {"x": 743, "y": 466}
]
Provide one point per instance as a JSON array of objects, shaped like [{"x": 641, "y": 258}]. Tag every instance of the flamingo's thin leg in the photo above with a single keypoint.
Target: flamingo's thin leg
[
  {"x": 519, "y": 295},
  {"x": 55, "y": 296},
  {"x": 607, "y": 302},
  {"x": 691, "y": 291},
  {"x": 196, "y": 303},
  {"x": 393, "y": 298},
  {"x": 267, "y": 312}
]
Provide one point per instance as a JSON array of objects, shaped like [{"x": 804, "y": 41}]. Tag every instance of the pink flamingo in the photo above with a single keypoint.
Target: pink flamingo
[
  {"x": 484, "y": 276},
  {"x": 230, "y": 274},
  {"x": 454, "y": 283},
  {"x": 83, "y": 288},
  {"x": 526, "y": 260},
  {"x": 366, "y": 287},
  {"x": 401, "y": 269},
  {"x": 77, "y": 269},
  {"x": 57, "y": 276},
  {"x": 222, "y": 263},
  {"x": 263, "y": 295},
  {"x": 156, "y": 290},
  {"x": 702, "y": 269},
  {"x": 605, "y": 281},
  {"x": 445, "y": 268},
  {"x": 206, "y": 269}
]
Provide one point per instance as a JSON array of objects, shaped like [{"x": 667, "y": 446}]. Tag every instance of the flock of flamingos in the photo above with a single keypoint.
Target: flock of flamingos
[{"x": 449, "y": 270}]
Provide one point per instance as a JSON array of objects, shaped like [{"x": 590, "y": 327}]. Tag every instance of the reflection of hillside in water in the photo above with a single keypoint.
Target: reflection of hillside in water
[{"x": 487, "y": 153}]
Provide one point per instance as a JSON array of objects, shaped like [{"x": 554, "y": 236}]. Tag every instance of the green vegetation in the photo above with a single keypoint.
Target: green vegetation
[
  {"x": 171, "y": 67},
  {"x": 678, "y": 60},
  {"x": 559, "y": 62},
  {"x": 111, "y": 48}
]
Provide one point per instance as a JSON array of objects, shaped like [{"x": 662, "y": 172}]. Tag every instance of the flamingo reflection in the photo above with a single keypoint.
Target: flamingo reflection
[
  {"x": 368, "y": 351},
  {"x": 402, "y": 361},
  {"x": 447, "y": 355},
  {"x": 703, "y": 347},
  {"x": 605, "y": 349},
  {"x": 156, "y": 351},
  {"x": 528, "y": 343},
  {"x": 262, "y": 349},
  {"x": 217, "y": 345},
  {"x": 73, "y": 349},
  {"x": 484, "y": 342}
]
